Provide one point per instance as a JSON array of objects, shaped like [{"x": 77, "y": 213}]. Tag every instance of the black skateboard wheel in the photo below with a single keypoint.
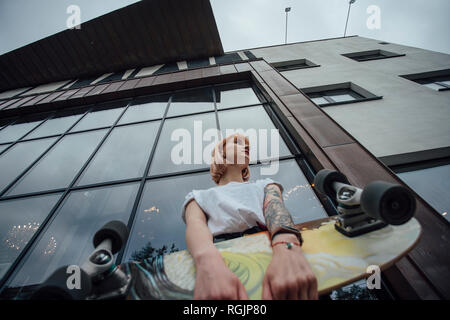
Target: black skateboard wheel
[
  {"x": 324, "y": 179},
  {"x": 391, "y": 203},
  {"x": 115, "y": 230},
  {"x": 56, "y": 287}
]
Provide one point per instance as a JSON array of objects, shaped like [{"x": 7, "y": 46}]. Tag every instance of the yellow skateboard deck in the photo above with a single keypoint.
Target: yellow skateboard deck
[{"x": 335, "y": 259}]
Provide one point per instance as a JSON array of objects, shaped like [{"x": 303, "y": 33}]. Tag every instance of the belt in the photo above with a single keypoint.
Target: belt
[{"x": 228, "y": 236}]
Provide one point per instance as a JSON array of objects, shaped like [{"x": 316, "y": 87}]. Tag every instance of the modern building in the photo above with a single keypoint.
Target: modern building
[{"x": 87, "y": 120}]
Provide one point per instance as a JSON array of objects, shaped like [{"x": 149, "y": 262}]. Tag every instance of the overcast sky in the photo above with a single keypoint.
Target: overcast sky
[{"x": 247, "y": 24}]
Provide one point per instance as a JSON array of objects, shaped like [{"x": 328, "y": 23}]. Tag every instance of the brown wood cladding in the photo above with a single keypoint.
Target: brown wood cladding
[{"x": 423, "y": 273}]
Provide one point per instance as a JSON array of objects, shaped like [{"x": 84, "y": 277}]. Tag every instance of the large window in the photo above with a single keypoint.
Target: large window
[
  {"x": 340, "y": 93},
  {"x": 67, "y": 173}
]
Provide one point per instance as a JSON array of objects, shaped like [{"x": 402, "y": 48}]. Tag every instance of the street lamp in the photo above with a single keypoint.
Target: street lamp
[
  {"x": 348, "y": 14},
  {"x": 286, "y": 10}
]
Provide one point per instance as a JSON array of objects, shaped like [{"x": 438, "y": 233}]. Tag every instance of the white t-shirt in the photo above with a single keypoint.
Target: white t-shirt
[{"x": 234, "y": 207}]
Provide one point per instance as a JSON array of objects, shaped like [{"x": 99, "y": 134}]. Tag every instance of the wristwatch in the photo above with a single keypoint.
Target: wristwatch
[{"x": 288, "y": 229}]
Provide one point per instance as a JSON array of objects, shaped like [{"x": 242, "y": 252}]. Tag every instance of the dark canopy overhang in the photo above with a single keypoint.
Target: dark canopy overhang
[{"x": 145, "y": 33}]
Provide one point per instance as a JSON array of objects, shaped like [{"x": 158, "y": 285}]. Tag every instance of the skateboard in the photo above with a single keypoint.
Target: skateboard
[
  {"x": 374, "y": 227},
  {"x": 335, "y": 259}
]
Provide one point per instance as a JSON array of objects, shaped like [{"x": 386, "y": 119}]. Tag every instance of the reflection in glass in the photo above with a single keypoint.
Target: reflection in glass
[
  {"x": 4, "y": 146},
  {"x": 60, "y": 165},
  {"x": 433, "y": 185},
  {"x": 4, "y": 122},
  {"x": 19, "y": 220},
  {"x": 257, "y": 120},
  {"x": 19, "y": 157},
  {"x": 98, "y": 118},
  {"x": 235, "y": 95},
  {"x": 191, "y": 101},
  {"x": 68, "y": 239},
  {"x": 187, "y": 150},
  {"x": 298, "y": 196},
  {"x": 145, "y": 109},
  {"x": 57, "y": 125},
  {"x": 158, "y": 223},
  {"x": 123, "y": 155},
  {"x": 14, "y": 131}
]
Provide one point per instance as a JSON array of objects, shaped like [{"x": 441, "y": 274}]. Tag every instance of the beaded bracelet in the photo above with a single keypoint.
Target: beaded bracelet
[{"x": 288, "y": 244}]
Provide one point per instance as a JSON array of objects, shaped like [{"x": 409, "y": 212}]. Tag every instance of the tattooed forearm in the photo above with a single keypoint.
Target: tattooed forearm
[{"x": 275, "y": 212}]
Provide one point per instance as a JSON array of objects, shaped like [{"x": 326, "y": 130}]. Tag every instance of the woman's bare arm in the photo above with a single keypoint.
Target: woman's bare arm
[
  {"x": 199, "y": 239},
  {"x": 214, "y": 280}
]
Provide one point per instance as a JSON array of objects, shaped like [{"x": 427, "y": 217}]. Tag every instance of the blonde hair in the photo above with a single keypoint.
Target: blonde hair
[{"x": 219, "y": 164}]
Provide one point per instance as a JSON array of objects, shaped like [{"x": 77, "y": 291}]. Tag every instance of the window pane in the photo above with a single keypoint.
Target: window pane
[
  {"x": 4, "y": 122},
  {"x": 19, "y": 220},
  {"x": 68, "y": 240},
  {"x": 98, "y": 119},
  {"x": 13, "y": 132},
  {"x": 158, "y": 221},
  {"x": 191, "y": 101},
  {"x": 163, "y": 160},
  {"x": 57, "y": 125},
  {"x": 254, "y": 118},
  {"x": 292, "y": 66},
  {"x": 341, "y": 97},
  {"x": 21, "y": 155},
  {"x": 433, "y": 86},
  {"x": 319, "y": 100},
  {"x": 60, "y": 165},
  {"x": 168, "y": 67},
  {"x": 235, "y": 95},
  {"x": 298, "y": 196},
  {"x": 4, "y": 146},
  {"x": 123, "y": 155},
  {"x": 433, "y": 185},
  {"x": 148, "y": 109}
]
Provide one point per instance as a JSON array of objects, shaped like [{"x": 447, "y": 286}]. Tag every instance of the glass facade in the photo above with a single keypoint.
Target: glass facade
[
  {"x": 68, "y": 239},
  {"x": 20, "y": 219},
  {"x": 333, "y": 96},
  {"x": 67, "y": 174},
  {"x": 433, "y": 185}
]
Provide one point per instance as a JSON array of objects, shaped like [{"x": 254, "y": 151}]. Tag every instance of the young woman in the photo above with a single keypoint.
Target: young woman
[{"x": 236, "y": 205}]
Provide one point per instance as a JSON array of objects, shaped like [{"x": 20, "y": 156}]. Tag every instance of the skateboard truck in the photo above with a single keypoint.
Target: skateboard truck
[
  {"x": 363, "y": 210},
  {"x": 100, "y": 277}
]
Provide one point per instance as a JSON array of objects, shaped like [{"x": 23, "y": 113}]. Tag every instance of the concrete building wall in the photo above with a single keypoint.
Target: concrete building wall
[{"x": 409, "y": 118}]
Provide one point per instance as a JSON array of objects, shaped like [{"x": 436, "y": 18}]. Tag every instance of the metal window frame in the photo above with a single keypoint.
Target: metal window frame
[
  {"x": 430, "y": 80},
  {"x": 294, "y": 65},
  {"x": 430, "y": 77},
  {"x": 368, "y": 55}
]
